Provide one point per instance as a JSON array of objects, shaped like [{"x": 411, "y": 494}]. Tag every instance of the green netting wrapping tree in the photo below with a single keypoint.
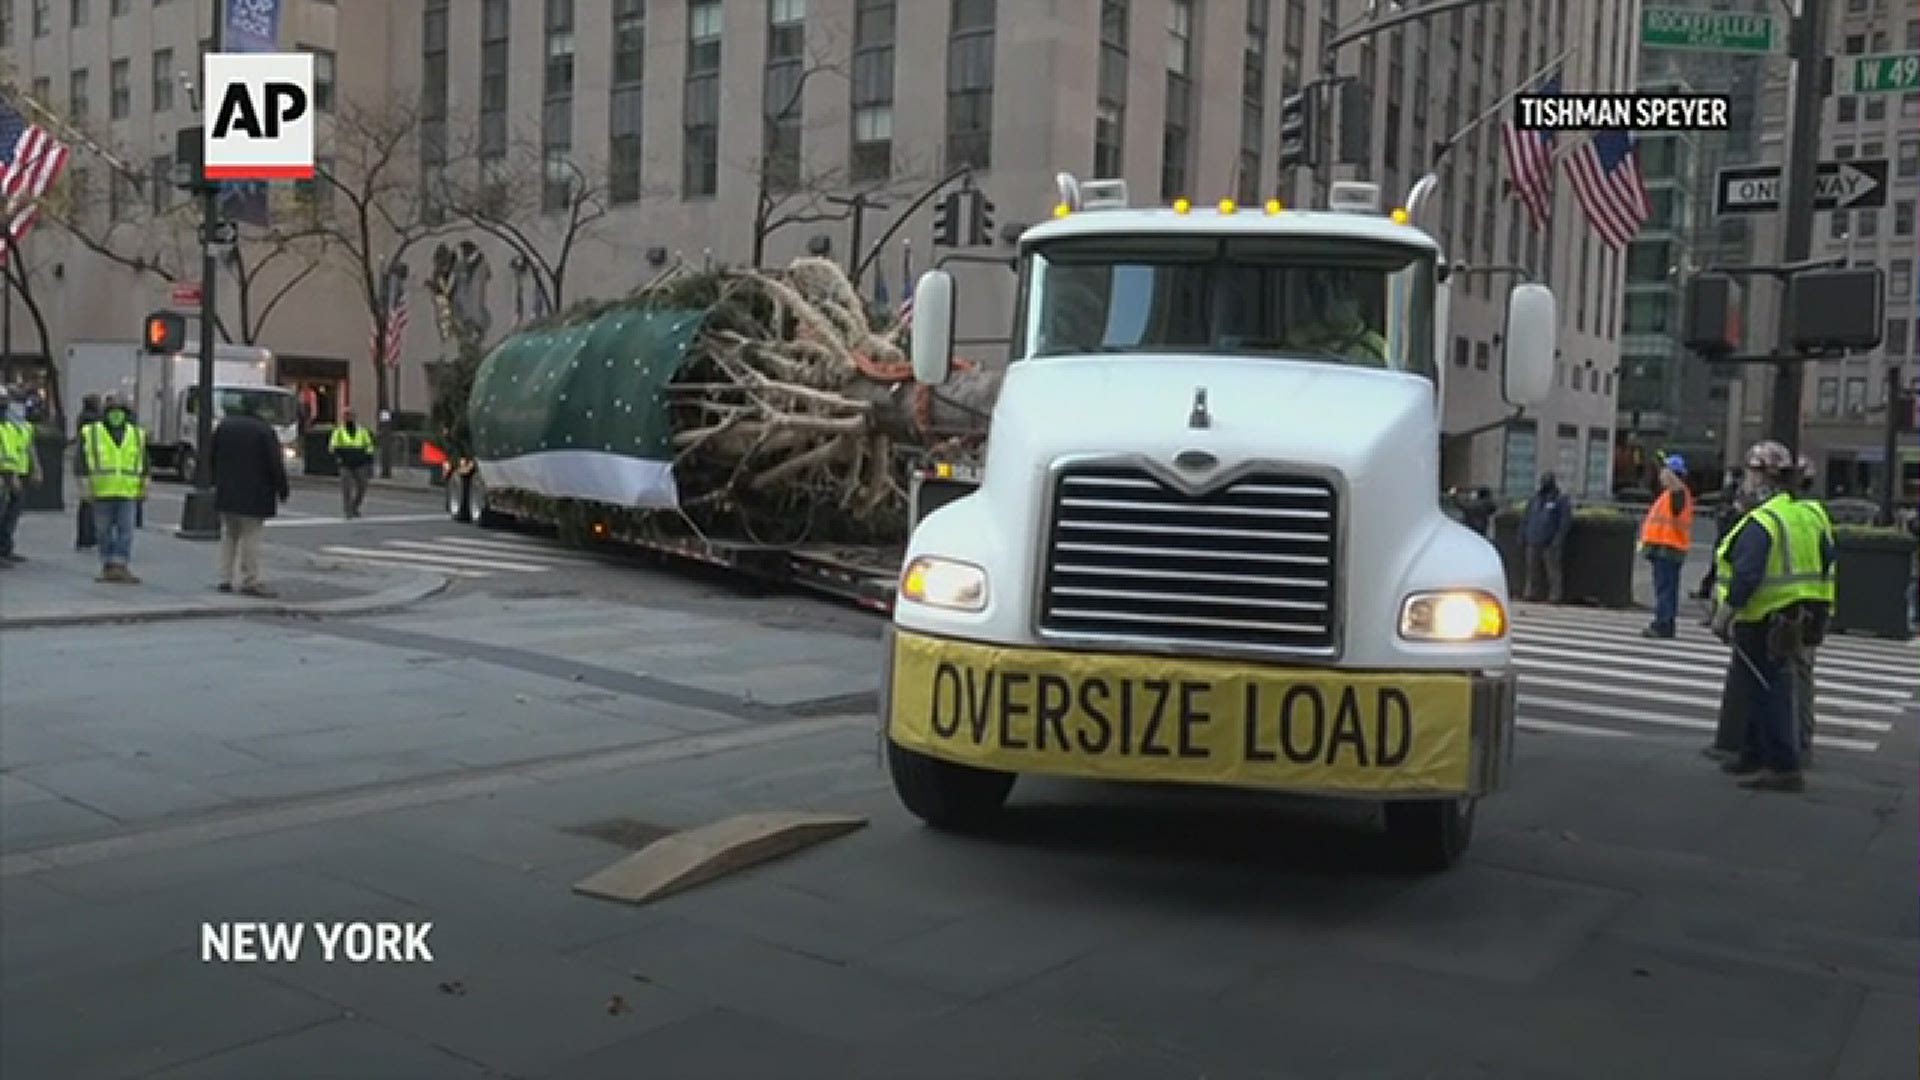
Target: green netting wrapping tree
[{"x": 753, "y": 403}]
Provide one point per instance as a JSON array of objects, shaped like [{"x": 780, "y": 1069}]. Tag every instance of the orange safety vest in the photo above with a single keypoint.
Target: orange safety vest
[{"x": 1664, "y": 528}]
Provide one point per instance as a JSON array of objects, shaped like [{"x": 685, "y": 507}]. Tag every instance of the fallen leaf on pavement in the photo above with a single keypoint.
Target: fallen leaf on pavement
[
  {"x": 455, "y": 988},
  {"x": 616, "y": 1005}
]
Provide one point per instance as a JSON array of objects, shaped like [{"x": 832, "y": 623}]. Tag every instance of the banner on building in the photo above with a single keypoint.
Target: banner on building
[{"x": 252, "y": 26}]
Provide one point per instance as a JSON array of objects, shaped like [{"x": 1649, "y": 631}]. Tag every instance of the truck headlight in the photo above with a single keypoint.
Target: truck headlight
[
  {"x": 1455, "y": 615},
  {"x": 944, "y": 583}
]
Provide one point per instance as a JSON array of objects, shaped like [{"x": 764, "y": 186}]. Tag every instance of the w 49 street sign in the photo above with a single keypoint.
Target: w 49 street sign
[{"x": 1891, "y": 74}]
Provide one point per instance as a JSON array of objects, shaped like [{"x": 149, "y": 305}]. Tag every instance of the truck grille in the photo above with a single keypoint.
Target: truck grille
[{"x": 1251, "y": 563}]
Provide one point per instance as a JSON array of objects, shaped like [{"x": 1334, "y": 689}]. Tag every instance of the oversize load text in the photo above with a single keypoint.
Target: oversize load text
[{"x": 1622, "y": 112}]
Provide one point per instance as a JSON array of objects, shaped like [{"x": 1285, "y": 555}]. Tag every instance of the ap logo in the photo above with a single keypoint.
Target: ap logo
[{"x": 259, "y": 116}]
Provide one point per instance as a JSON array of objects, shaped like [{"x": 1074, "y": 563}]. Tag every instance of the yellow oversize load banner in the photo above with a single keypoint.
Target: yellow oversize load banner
[{"x": 1120, "y": 717}]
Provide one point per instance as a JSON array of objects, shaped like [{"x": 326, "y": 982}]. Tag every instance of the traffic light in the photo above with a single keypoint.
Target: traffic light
[
  {"x": 1298, "y": 129},
  {"x": 982, "y": 225},
  {"x": 946, "y": 221},
  {"x": 166, "y": 332}
]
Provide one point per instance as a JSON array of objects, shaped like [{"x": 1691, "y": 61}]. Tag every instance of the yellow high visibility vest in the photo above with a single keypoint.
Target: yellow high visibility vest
[
  {"x": 360, "y": 438},
  {"x": 16, "y": 448},
  {"x": 116, "y": 470},
  {"x": 1793, "y": 571}
]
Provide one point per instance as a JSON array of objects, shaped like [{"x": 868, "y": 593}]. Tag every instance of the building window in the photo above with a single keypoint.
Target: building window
[
  {"x": 556, "y": 110},
  {"x": 120, "y": 195},
  {"x": 79, "y": 12},
  {"x": 1110, "y": 109},
  {"x": 874, "y": 28},
  {"x": 6, "y": 24},
  {"x": 1827, "y": 397},
  {"x": 42, "y": 18},
  {"x": 1903, "y": 218},
  {"x": 1460, "y": 350},
  {"x": 323, "y": 78},
  {"x": 433, "y": 107},
  {"x": 1176, "y": 150},
  {"x": 121, "y": 7},
  {"x": 701, "y": 121},
  {"x": 1909, "y": 158},
  {"x": 1856, "y": 396},
  {"x": 970, "y": 47},
  {"x": 77, "y": 93},
  {"x": 625, "y": 158},
  {"x": 43, "y": 88},
  {"x": 160, "y": 183},
  {"x": 1482, "y": 356},
  {"x": 1867, "y": 222},
  {"x": 1896, "y": 337},
  {"x": 120, "y": 89},
  {"x": 494, "y": 26},
  {"x": 1900, "y": 277},
  {"x": 784, "y": 94},
  {"x": 1253, "y": 97},
  {"x": 1910, "y": 104},
  {"x": 1848, "y": 109},
  {"x": 162, "y": 80}
]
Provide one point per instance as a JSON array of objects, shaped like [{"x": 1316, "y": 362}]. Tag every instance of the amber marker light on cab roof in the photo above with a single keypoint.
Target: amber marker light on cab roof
[
  {"x": 1181, "y": 206},
  {"x": 1228, "y": 206},
  {"x": 1061, "y": 209},
  {"x": 1400, "y": 215},
  {"x": 1273, "y": 206}
]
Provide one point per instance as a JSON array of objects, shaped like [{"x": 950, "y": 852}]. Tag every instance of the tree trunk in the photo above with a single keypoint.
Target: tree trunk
[{"x": 46, "y": 347}]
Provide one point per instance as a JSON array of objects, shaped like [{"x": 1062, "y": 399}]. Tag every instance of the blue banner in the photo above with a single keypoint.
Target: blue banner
[
  {"x": 252, "y": 26},
  {"x": 245, "y": 201}
]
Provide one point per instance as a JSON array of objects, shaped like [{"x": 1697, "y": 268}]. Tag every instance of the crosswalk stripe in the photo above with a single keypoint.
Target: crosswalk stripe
[
  {"x": 379, "y": 519},
  {"x": 1558, "y": 727},
  {"x": 371, "y": 560},
  {"x": 1694, "y": 677},
  {"x": 1585, "y": 708},
  {"x": 528, "y": 554},
  {"x": 1709, "y": 704},
  {"x": 436, "y": 560},
  {"x": 1833, "y": 655},
  {"x": 1605, "y": 621}
]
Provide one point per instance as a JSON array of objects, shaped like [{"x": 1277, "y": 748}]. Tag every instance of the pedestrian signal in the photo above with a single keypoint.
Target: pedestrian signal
[{"x": 166, "y": 332}]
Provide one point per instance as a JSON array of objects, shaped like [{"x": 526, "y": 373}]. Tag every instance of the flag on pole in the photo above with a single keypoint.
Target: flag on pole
[
  {"x": 1530, "y": 164},
  {"x": 1605, "y": 172},
  {"x": 906, "y": 284},
  {"x": 387, "y": 350},
  {"x": 30, "y": 161},
  {"x": 882, "y": 300}
]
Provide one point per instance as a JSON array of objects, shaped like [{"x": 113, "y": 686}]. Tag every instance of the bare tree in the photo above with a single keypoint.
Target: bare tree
[
  {"x": 20, "y": 279},
  {"x": 542, "y": 216},
  {"x": 373, "y": 211}
]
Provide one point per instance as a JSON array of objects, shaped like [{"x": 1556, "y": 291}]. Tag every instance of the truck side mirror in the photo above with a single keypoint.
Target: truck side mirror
[
  {"x": 1532, "y": 324},
  {"x": 933, "y": 327}
]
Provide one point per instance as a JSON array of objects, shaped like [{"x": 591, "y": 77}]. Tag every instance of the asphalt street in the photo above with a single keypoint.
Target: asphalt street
[{"x": 1625, "y": 910}]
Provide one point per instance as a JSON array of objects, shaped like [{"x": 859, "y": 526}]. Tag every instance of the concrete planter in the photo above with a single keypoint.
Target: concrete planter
[
  {"x": 1599, "y": 558},
  {"x": 1871, "y": 576},
  {"x": 50, "y": 493},
  {"x": 313, "y": 451}
]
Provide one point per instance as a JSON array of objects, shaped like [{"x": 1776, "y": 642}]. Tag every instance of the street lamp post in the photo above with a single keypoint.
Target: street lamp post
[
  {"x": 198, "y": 518},
  {"x": 1809, "y": 38}
]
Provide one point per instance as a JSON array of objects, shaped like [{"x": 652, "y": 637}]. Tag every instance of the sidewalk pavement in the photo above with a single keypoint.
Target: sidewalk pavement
[
  {"x": 403, "y": 479},
  {"x": 56, "y": 585}
]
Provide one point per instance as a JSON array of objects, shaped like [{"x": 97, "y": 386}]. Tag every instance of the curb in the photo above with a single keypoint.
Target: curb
[{"x": 407, "y": 593}]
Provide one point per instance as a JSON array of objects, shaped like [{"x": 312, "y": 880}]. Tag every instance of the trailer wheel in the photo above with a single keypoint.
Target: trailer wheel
[
  {"x": 1430, "y": 834},
  {"x": 459, "y": 497},
  {"x": 483, "y": 515},
  {"x": 956, "y": 798}
]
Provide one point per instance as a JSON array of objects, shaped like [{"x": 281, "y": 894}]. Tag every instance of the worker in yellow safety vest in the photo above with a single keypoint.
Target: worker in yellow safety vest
[
  {"x": 19, "y": 470},
  {"x": 112, "y": 466},
  {"x": 352, "y": 447},
  {"x": 1772, "y": 568}
]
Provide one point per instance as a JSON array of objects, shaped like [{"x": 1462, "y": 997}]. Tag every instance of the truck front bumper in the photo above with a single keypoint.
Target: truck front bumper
[{"x": 1131, "y": 717}]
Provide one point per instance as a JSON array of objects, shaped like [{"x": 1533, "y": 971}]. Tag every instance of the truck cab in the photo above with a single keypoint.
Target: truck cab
[{"x": 1206, "y": 546}]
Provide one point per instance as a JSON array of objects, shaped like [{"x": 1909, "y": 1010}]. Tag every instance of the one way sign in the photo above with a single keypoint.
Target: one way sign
[{"x": 1859, "y": 184}]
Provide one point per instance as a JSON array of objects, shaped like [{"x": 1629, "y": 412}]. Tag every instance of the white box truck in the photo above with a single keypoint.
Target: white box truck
[
  {"x": 160, "y": 387},
  {"x": 1207, "y": 546}
]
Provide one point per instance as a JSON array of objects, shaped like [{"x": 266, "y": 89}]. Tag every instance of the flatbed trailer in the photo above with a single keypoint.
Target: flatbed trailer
[{"x": 865, "y": 575}]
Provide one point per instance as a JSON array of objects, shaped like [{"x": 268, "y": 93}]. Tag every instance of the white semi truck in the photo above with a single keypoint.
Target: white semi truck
[
  {"x": 161, "y": 388},
  {"x": 1207, "y": 547}
]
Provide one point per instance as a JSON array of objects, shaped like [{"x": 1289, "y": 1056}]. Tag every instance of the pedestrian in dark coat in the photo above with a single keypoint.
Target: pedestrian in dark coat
[
  {"x": 83, "y": 534},
  {"x": 1477, "y": 512},
  {"x": 1544, "y": 535},
  {"x": 250, "y": 483}
]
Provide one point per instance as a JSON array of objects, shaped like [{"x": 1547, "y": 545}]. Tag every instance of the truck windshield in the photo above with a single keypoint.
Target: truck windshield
[
  {"x": 1330, "y": 300},
  {"x": 274, "y": 406}
]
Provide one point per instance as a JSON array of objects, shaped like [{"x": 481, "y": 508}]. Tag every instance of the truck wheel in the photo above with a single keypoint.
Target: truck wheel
[
  {"x": 459, "y": 498},
  {"x": 184, "y": 464},
  {"x": 957, "y": 798},
  {"x": 1430, "y": 834},
  {"x": 483, "y": 515}
]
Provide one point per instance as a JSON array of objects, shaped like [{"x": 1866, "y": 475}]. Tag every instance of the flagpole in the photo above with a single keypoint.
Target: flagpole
[{"x": 52, "y": 119}]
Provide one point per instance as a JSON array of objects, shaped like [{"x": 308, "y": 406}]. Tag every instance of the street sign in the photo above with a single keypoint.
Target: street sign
[
  {"x": 186, "y": 294},
  {"x": 221, "y": 233},
  {"x": 1709, "y": 31},
  {"x": 1859, "y": 184},
  {"x": 1894, "y": 73}
]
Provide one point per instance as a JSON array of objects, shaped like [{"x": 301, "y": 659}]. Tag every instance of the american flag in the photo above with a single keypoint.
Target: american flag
[
  {"x": 1605, "y": 171},
  {"x": 30, "y": 161},
  {"x": 387, "y": 351},
  {"x": 1530, "y": 164}
]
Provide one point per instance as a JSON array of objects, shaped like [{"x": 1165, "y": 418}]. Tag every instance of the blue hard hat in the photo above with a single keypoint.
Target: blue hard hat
[{"x": 1677, "y": 465}]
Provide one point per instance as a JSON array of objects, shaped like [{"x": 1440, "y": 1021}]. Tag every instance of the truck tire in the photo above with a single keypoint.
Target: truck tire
[
  {"x": 460, "y": 497},
  {"x": 184, "y": 464},
  {"x": 1430, "y": 834},
  {"x": 955, "y": 798},
  {"x": 483, "y": 515}
]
